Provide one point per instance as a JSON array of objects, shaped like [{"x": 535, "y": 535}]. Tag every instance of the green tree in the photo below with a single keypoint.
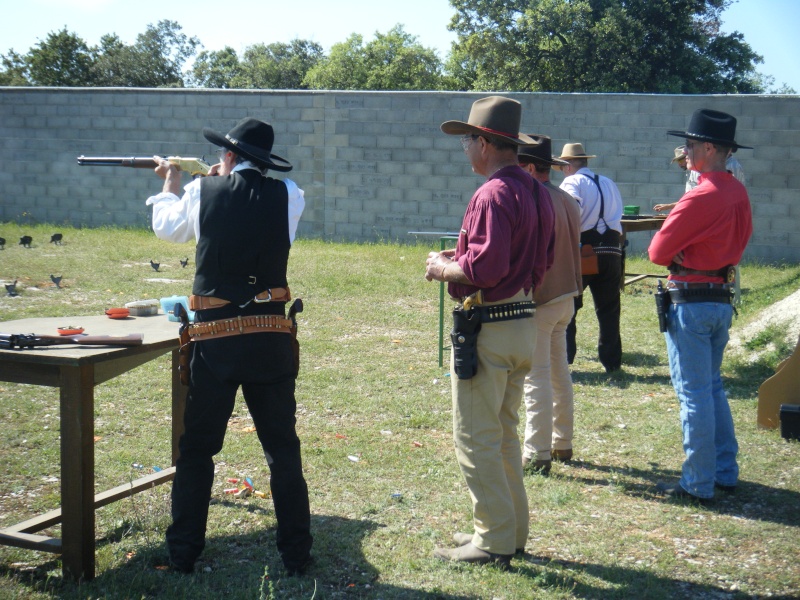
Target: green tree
[
  {"x": 112, "y": 65},
  {"x": 62, "y": 59},
  {"x": 216, "y": 68},
  {"x": 278, "y": 66},
  {"x": 392, "y": 61},
  {"x": 157, "y": 58},
  {"x": 14, "y": 71},
  {"x": 647, "y": 46}
]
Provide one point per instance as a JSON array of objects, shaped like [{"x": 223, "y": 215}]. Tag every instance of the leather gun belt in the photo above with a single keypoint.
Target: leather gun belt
[
  {"x": 270, "y": 295},
  {"x": 210, "y": 330}
]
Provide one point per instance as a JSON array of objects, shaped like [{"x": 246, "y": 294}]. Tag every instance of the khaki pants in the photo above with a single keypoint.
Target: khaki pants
[
  {"x": 485, "y": 420},
  {"x": 548, "y": 387}
]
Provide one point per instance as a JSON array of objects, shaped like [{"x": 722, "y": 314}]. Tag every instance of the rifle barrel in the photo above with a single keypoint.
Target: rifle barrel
[{"x": 118, "y": 161}]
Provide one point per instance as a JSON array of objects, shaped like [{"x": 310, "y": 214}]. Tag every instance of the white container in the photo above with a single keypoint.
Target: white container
[{"x": 143, "y": 308}]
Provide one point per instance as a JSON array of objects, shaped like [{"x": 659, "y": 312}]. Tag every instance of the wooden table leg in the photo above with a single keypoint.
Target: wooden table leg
[
  {"x": 77, "y": 472},
  {"x": 179, "y": 392}
]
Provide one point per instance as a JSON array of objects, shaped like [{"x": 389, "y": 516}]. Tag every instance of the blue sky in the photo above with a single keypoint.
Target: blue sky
[{"x": 769, "y": 26}]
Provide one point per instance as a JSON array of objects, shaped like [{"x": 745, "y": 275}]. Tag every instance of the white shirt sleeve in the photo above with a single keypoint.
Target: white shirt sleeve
[
  {"x": 177, "y": 219},
  {"x": 296, "y": 205}
]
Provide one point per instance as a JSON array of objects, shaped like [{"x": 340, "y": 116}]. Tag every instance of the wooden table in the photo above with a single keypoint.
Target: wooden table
[
  {"x": 631, "y": 224},
  {"x": 76, "y": 370}
]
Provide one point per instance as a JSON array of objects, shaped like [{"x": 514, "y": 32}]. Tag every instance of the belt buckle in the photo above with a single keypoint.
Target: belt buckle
[
  {"x": 251, "y": 279},
  {"x": 257, "y": 300}
]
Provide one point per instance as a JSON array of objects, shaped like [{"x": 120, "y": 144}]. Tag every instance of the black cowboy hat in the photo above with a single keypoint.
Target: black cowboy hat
[
  {"x": 541, "y": 153},
  {"x": 711, "y": 126},
  {"x": 252, "y": 140},
  {"x": 492, "y": 117}
]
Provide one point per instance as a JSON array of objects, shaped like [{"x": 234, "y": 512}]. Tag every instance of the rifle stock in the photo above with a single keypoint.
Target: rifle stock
[
  {"x": 194, "y": 166},
  {"x": 20, "y": 341}
]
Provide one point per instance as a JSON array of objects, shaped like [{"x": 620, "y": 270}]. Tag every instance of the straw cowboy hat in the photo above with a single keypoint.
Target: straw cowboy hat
[
  {"x": 542, "y": 153},
  {"x": 252, "y": 140},
  {"x": 493, "y": 117},
  {"x": 680, "y": 154},
  {"x": 574, "y": 151},
  {"x": 711, "y": 126}
]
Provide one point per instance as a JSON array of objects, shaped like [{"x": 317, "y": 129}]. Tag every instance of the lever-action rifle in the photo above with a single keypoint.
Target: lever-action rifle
[
  {"x": 14, "y": 341},
  {"x": 194, "y": 166}
]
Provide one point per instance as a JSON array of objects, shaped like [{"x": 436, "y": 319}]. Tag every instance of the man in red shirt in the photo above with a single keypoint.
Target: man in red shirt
[
  {"x": 503, "y": 250},
  {"x": 701, "y": 241}
]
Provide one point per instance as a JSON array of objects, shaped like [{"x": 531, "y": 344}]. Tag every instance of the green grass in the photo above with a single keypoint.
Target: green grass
[{"x": 370, "y": 387}]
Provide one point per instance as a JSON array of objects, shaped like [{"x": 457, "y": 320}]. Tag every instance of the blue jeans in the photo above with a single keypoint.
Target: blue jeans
[{"x": 697, "y": 334}]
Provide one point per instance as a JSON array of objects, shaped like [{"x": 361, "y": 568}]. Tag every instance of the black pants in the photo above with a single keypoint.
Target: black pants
[
  {"x": 262, "y": 365},
  {"x": 605, "y": 288}
]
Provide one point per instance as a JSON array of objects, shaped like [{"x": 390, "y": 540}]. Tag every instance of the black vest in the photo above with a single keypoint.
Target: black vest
[{"x": 244, "y": 236}]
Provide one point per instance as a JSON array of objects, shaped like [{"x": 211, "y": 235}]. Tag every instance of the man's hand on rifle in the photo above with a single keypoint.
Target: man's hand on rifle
[{"x": 170, "y": 174}]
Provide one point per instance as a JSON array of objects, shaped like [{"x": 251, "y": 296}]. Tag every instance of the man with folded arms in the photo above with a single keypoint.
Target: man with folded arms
[
  {"x": 701, "y": 241},
  {"x": 502, "y": 253}
]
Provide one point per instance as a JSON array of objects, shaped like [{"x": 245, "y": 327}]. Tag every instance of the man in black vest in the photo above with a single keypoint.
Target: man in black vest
[{"x": 244, "y": 223}]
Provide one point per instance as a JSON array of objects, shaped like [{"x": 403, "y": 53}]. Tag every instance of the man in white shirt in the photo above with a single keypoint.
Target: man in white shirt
[{"x": 601, "y": 213}]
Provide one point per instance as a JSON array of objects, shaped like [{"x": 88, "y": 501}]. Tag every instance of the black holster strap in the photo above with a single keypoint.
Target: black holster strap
[
  {"x": 682, "y": 271},
  {"x": 506, "y": 312},
  {"x": 681, "y": 296}
]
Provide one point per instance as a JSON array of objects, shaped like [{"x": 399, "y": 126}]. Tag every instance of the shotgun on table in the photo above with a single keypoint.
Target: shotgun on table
[
  {"x": 18, "y": 341},
  {"x": 194, "y": 166}
]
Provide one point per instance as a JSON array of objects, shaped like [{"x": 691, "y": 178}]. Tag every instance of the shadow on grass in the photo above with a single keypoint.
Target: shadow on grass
[
  {"x": 236, "y": 566},
  {"x": 621, "y": 378},
  {"x": 247, "y": 566},
  {"x": 615, "y": 582},
  {"x": 751, "y": 500}
]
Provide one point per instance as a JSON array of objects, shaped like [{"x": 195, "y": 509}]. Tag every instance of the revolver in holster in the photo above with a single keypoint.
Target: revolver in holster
[
  {"x": 297, "y": 307},
  {"x": 185, "y": 341},
  {"x": 464, "y": 338},
  {"x": 663, "y": 300}
]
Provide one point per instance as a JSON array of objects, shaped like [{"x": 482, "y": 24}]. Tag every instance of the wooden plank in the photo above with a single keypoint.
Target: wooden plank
[
  {"x": 29, "y": 541},
  {"x": 134, "y": 487},
  {"x": 53, "y": 517},
  {"x": 635, "y": 278}
]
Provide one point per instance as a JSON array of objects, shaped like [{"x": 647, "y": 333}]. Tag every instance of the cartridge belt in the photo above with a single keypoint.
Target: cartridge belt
[
  {"x": 616, "y": 250},
  {"x": 268, "y": 295},
  {"x": 208, "y": 330},
  {"x": 506, "y": 312}
]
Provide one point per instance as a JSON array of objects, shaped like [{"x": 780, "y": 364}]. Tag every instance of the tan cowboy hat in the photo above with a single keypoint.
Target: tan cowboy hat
[
  {"x": 574, "y": 151},
  {"x": 492, "y": 117},
  {"x": 541, "y": 153},
  {"x": 680, "y": 154}
]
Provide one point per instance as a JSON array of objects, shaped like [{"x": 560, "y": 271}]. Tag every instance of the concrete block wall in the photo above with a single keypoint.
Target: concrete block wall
[{"x": 374, "y": 165}]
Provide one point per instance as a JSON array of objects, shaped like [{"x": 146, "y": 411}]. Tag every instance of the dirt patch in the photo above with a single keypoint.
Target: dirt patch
[{"x": 784, "y": 314}]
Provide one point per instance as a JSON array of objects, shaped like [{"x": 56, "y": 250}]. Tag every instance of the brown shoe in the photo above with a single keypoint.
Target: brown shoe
[
  {"x": 469, "y": 553},
  {"x": 561, "y": 455},
  {"x": 542, "y": 467},
  {"x": 461, "y": 539}
]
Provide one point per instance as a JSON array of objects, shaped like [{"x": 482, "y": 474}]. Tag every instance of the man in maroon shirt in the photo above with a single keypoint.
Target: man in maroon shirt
[
  {"x": 503, "y": 250},
  {"x": 701, "y": 241}
]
